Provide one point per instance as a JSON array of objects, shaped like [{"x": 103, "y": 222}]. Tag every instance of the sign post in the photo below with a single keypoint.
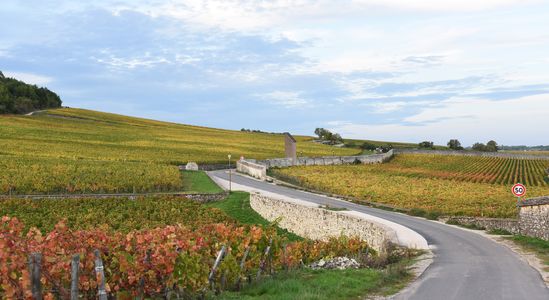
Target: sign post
[
  {"x": 230, "y": 173},
  {"x": 518, "y": 190}
]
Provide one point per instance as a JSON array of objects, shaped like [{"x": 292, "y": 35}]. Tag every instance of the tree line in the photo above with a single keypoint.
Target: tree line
[
  {"x": 17, "y": 97},
  {"x": 454, "y": 144}
]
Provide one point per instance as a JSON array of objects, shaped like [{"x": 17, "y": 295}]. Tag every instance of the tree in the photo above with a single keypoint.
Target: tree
[
  {"x": 319, "y": 132},
  {"x": 479, "y": 147},
  {"x": 455, "y": 144},
  {"x": 368, "y": 146},
  {"x": 327, "y": 135},
  {"x": 492, "y": 146},
  {"x": 386, "y": 148},
  {"x": 337, "y": 139},
  {"x": 427, "y": 145}
]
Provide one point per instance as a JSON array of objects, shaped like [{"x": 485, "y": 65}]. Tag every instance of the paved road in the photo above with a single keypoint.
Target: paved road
[{"x": 466, "y": 265}]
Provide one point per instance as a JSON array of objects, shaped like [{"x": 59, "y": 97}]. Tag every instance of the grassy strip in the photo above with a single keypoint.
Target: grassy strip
[
  {"x": 538, "y": 246},
  {"x": 199, "y": 182},
  {"x": 237, "y": 206},
  {"x": 326, "y": 284}
]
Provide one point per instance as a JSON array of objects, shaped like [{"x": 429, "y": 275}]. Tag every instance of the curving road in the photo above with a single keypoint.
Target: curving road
[{"x": 466, "y": 265}]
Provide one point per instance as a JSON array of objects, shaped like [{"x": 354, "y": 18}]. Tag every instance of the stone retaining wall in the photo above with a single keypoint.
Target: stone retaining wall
[
  {"x": 313, "y": 222},
  {"x": 253, "y": 169},
  {"x": 206, "y": 198},
  {"x": 510, "y": 225},
  {"x": 471, "y": 153},
  {"x": 534, "y": 217}
]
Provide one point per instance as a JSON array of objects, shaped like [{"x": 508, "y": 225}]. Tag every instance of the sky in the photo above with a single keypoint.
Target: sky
[{"x": 393, "y": 70}]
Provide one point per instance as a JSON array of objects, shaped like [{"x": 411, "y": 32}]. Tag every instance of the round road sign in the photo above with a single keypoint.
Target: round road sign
[{"x": 519, "y": 190}]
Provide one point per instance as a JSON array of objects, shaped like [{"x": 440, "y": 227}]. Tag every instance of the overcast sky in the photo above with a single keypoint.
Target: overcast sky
[{"x": 397, "y": 70}]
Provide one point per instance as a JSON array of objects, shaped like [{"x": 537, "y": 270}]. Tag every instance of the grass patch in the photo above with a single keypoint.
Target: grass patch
[
  {"x": 538, "y": 246},
  {"x": 499, "y": 232},
  {"x": 237, "y": 206},
  {"x": 325, "y": 284},
  {"x": 199, "y": 182},
  {"x": 468, "y": 226}
]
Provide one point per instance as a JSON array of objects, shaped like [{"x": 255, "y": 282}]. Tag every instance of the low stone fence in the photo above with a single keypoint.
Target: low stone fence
[
  {"x": 313, "y": 222},
  {"x": 471, "y": 153},
  {"x": 198, "y": 197},
  {"x": 509, "y": 225},
  {"x": 534, "y": 217},
  {"x": 253, "y": 169},
  {"x": 326, "y": 160}
]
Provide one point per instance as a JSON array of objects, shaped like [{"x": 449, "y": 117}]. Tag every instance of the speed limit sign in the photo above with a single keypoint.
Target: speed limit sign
[{"x": 519, "y": 190}]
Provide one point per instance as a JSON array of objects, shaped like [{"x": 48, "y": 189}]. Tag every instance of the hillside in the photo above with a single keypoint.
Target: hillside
[
  {"x": 76, "y": 150},
  {"x": 17, "y": 97}
]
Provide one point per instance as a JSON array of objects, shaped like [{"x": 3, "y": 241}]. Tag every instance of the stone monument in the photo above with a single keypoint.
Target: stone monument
[
  {"x": 290, "y": 146},
  {"x": 191, "y": 166}
]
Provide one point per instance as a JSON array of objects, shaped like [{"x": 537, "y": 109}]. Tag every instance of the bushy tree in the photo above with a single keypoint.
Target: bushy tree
[
  {"x": 368, "y": 146},
  {"x": 386, "y": 148},
  {"x": 492, "y": 146},
  {"x": 479, "y": 147},
  {"x": 327, "y": 135},
  {"x": 427, "y": 145},
  {"x": 454, "y": 144}
]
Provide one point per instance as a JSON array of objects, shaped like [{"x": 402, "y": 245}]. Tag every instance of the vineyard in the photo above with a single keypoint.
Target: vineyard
[
  {"x": 537, "y": 152},
  {"x": 494, "y": 170},
  {"x": 454, "y": 185},
  {"x": 116, "y": 214},
  {"x": 81, "y": 151},
  {"x": 23, "y": 175},
  {"x": 156, "y": 247}
]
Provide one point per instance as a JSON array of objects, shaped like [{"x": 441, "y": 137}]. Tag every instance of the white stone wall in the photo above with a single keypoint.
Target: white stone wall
[
  {"x": 534, "y": 221},
  {"x": 327, "y": 160},
  {"x": 313, "y": 222},
  {"x": 255, "y": 170}
]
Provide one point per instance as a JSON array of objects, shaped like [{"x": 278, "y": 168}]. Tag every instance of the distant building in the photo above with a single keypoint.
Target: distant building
[{"x": 290, "y": 147}]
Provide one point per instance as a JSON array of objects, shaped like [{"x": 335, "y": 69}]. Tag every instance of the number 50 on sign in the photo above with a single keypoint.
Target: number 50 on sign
[{"x": 519, "y": 190}]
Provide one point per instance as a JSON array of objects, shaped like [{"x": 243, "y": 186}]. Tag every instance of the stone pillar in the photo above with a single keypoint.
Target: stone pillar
[{"x": 290, "y": 147}]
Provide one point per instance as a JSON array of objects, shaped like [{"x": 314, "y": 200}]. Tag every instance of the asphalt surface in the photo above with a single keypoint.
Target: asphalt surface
[{"x": 466, "y": 265}]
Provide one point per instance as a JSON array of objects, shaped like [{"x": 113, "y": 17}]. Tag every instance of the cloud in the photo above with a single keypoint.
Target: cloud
[
  {"x": 509, "y": 122},
  {"x": 252, "y": 16},
  {"x": 424, "y": 60},
  {"x": 144, "y": 61},
  {"x": 31, "y": 78},
  {"x": 286, "y": 99}
]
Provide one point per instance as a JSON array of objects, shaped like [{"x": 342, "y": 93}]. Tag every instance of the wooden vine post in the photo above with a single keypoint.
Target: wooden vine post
[
  {"x": 35, "y": 269},
  {"x": 100, "y": 275},
  {"x": 75, "y": 266},
  {"x": 218, "y": 260},
  {"x": 242, "y": 264},
  {"x": 264, "y": 259},
  {"x": 142, "y": 280}
]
